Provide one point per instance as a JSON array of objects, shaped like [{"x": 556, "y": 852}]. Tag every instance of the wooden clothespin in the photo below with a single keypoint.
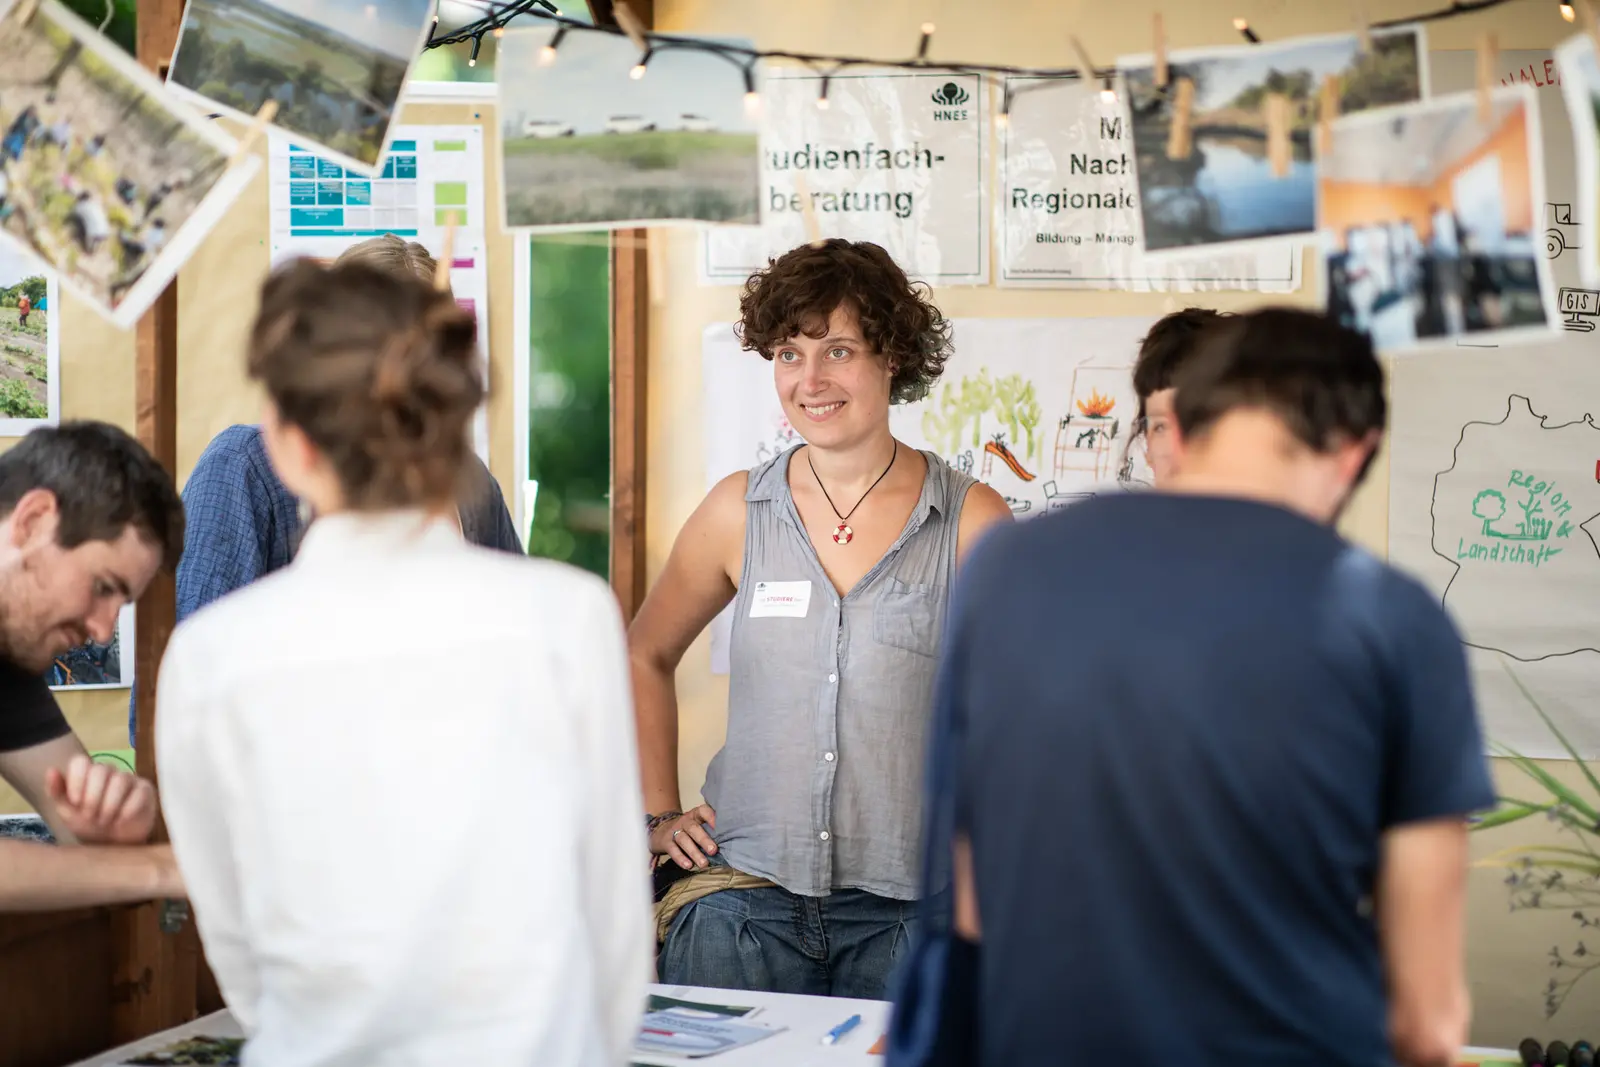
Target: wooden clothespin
[
  {"x": 1363, "y": 28},
  {"x": 25, "y": 10},
  {"x": 1085, "y": 65},
  {"x": 808, "y": 213},
  {"x": 1279, "y": 152},
  {"x": 252, "y": 133},
  {"x": 1327, "y": 112},
  {"x": 1179, "y": 141},
  {"x": 1159, "y": 43},
  {"x": 630, "y": 24},
  {"x": 1488, "y": 59},
  {"x": 1591, "y": 22},
  {"x": 447, "y": 255}
]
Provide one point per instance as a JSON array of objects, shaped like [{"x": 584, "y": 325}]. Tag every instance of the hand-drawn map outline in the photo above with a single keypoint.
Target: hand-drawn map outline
[{"x": 1433, "y": 519}]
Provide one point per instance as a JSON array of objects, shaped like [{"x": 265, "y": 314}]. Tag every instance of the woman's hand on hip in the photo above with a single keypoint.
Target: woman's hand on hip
[{"x": 686, "y": 840}]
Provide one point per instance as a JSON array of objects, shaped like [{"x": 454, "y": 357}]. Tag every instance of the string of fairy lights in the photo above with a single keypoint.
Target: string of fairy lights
[{"x": 498, "y": 14}]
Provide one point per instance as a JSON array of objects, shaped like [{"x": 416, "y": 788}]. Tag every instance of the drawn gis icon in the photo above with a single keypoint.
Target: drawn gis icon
[{"x": 950, "y": 95}]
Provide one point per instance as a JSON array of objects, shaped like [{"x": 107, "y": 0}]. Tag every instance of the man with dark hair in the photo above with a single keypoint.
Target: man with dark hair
[
  {"x": 1162, "y": 354},
  {"x": 1241, "y": 834},
  {"x": 89, "y": 517}
]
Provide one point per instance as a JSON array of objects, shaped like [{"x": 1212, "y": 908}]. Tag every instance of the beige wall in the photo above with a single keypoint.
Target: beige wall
[
  {"x": 1507, "y": 952},
  {"x": 216, "y": 302}
]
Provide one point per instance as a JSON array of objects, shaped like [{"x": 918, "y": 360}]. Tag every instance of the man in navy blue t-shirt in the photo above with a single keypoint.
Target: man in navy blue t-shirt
[{"x": 1215, "y": 761}]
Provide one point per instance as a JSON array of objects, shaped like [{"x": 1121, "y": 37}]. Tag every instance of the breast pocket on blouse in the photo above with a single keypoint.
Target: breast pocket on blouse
[{"x": 907, "y": 617}]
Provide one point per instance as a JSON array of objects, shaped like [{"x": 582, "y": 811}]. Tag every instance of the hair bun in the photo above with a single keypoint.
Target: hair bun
[{"x": 379, "y": 369}]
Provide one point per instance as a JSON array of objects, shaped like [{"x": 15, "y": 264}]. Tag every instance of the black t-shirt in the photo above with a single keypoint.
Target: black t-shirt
[
  {"x": 1189, "y": 722},
  {"x": 29, "y": 714}
]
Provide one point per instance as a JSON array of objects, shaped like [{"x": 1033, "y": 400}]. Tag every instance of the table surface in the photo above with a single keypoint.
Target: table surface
[{"x": 805, "y": 1020}]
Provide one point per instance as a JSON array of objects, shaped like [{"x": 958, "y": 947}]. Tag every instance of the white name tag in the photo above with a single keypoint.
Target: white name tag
[{"x": 788, "y": 600}]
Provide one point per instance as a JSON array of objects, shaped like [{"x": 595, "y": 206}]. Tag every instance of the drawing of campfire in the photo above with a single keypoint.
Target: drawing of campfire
[{"x": 1096, "y": 405}]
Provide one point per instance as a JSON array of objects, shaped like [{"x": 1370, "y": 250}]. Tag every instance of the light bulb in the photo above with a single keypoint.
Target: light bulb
[
  {"x": 637, "y": 72},
  {"x": 1568, "y": 13},
  {"x": 547, "y": 55},
  {"x": 752, "y": 103},
  {"x": 822, "y": 103}
]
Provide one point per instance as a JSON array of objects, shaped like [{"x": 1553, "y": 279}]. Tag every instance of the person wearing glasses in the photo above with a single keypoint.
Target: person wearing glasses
[{"x": 1162, "y": 353}]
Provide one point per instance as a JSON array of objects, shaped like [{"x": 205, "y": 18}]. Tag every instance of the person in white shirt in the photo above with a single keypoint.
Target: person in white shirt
[{"x": 504, "y": 925}]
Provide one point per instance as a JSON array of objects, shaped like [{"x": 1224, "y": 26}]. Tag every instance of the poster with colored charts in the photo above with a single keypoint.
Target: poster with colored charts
[{"x": 319, "y": 209}]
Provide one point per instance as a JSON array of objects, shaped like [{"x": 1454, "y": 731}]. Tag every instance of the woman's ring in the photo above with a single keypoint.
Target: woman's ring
[{"x": 675, "y": 834}]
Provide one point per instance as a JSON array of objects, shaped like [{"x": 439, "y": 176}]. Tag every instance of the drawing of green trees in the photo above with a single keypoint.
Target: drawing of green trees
[
  {"x": 1489, "y": 506},
  {"x": 942, "y": 421},
  {"x": 957, "y": 405},
  {"x": 1016, "y": 405},
  {"x": 1532, "y": 525}
]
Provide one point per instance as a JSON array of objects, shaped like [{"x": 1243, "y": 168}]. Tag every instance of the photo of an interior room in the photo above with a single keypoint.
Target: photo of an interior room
[{"x": 1428, "y": 218}]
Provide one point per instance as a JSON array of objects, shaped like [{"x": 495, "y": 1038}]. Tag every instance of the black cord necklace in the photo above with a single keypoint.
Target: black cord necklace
[{"x": 842, "y": 532}]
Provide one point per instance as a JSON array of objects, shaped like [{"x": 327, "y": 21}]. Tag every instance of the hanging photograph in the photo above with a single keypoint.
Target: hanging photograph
[
  {"x": 1223, "y": 191},
  {"x": 591, "y": 138},
  {"x": 1429, "y": 222},
  {"x": 97, "y": 666},
  {"x": 1580, "y": 84},
  {"x": 335, "y": 67},
  {"x": 30, "y": 342},
  {"x": 109, "y": 180}
]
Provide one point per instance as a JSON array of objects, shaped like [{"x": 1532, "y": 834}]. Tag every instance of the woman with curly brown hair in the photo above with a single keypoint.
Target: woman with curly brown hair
[
  {"x": 838, "y": 557},
  {"x": 344, "y": 923}
]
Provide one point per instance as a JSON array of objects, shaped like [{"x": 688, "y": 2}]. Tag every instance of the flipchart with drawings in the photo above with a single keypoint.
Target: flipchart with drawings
[{"x": 1042, "y": 410}]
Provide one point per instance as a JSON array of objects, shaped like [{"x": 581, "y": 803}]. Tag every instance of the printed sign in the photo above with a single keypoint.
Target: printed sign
[
  {"x": 896, "y": 158},
  {"x": 1068, "y": 204}
]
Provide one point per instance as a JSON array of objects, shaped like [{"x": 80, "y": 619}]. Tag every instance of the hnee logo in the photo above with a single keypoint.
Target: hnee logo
[{"x": 950, "y": 97}]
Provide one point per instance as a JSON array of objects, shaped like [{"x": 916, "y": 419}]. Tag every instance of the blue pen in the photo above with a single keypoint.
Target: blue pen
[{"x": 832, "y": 1036}]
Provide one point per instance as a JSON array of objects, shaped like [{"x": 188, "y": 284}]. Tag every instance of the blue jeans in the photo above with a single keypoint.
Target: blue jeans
[{"x": 842, "y": 945}]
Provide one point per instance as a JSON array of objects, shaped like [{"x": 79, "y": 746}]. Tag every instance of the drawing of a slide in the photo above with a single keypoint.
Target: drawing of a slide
[{"x": 997, "y": 447}]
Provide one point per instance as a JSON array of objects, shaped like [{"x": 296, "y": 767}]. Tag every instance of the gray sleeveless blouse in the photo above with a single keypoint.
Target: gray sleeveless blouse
[{"x": 819, "y": 784}]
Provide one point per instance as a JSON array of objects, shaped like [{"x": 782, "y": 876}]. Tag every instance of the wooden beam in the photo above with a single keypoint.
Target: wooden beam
[
  {"x": 156, "y": 948},
  {"x": 630, "y": 357},
  {"x": 630, "y": 351}
]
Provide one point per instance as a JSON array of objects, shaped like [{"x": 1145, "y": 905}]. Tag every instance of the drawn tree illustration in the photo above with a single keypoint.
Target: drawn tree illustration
[
  {"x": 974, "y": 396},
  {"x": 943, "y": 419},
  {"x": 1531, "y": 508},
  {"x": 1017, "y": 408},
  {"x": 1489, "y": 506},
  {"x": 1028, "y": 414}
]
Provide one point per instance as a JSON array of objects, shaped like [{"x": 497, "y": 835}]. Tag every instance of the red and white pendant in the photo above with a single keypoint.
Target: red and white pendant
[{"x": 842, "y": 534}]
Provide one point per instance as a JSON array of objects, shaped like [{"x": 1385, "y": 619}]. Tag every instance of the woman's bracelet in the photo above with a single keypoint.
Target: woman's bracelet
[{"x": 654, "y": 821}]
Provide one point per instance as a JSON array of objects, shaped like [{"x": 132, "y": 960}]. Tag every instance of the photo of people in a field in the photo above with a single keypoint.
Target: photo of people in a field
[
  {"x": 1224, "y": 189},
  {"x": 99, "y": 169},
  {"x": 587, "y": 144},
  {"x": 25, "y": 342},
  {"x": 335, "y": 67}
]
